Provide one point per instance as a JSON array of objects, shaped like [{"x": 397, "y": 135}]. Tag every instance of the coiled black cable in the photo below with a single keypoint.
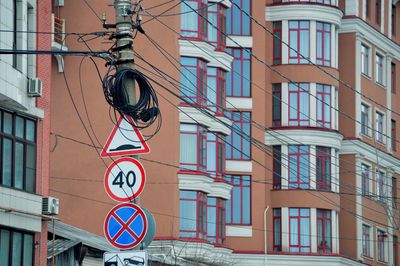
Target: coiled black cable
[{"x": 146, "y": 109}]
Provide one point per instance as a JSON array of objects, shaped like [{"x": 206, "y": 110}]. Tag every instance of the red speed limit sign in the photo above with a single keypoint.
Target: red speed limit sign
[{"x": 124, "y": 179}]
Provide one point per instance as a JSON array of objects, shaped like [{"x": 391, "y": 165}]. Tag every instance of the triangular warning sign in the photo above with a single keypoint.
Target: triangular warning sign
[{"x": 125, "y": 139}]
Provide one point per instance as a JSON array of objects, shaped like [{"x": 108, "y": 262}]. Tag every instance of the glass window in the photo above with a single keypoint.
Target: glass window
[
  {"x": 394, "y": 19},
  {"x": 217, "y": 29},
  {"x": 378, "y": 12},
  {"x": 393, "y": 77},
  {"x": 299, "y": 104},
  {"x": 365, "y": 59},
  {"x": 16, "y": 248},
  {"x": 238, "y": 208},
  {"x": 18, "y": 158},
  {"x": 365, "y": 170},
  {"x": 324, "y": 231},
  {"x": 299, "y": 40},
  {"x": 216, "y": 155},
  {"x": 238, "y": 142},
  {"x": 238, "y": 20},
  {"x": 380, "y": 183},
  {"x": 193, "y": 81},
  {"x": 364, "y": 119},
  {"x": 193, "y": 145},
  {"x": 394, "y": 132},
  {"x": 277, "y": 157},
  {"x": 239, "y": 78},
  {"x": 277, "y": 44},
  {"x": 379, "y": 127},
  {"x": 277, "y": 224},
  {"x": 323, "y": 168},
  {"x": 381, "y": 249},
  {"x": 323, "y": 44},
  {"x": 216, "y": 86},
  {"x": 194, "y": 23},
  {"x": 193, "y": 214},
  {"x": 379, "y": 69},
  {"x": 276, "y": 105},
  {"x": 299, "y": 230},
  {"x": 324, "y": 105},
  {"x": 215, "y": 220},
  {"x": 366, "y": 238},
  {"x": 299, "y": 163}
]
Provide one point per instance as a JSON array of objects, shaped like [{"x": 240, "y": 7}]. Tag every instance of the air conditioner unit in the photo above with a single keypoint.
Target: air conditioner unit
[
  {"x": 34, "y": 87},
  {"x": 50, "y": 206}
]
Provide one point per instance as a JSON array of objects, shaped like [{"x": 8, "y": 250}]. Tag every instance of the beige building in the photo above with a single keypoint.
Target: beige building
[{"x": 281, "y": 148}]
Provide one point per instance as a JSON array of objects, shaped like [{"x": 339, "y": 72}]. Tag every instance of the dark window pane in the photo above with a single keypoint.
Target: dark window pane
[
  {"x": 7, "y": 161},
  {"x": 19, "y": 165},
  {"x": 28, "y": 250},
  {"x": 16, "y": 249},
  {"x": 19, "y": 127},
  {"x": 30, "y": 170},
  {"x": 7, "y": 123},
  {"x": 4, "y": 247},
  {"x": 30, "y": 130}
]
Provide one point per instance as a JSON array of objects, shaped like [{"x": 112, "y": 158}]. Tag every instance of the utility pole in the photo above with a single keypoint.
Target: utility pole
[{"x": 124, "y": 35}]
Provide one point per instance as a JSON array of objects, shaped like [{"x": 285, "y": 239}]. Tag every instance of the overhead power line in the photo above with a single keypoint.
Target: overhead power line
[{"x": 55, "y": 52}]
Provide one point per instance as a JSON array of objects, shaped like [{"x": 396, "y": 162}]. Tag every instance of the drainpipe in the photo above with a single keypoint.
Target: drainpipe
[{"x": 265, "y": 235}]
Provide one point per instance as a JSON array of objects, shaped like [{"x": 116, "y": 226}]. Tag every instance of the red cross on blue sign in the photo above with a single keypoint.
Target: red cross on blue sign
[{"x": 125, "y": 226}]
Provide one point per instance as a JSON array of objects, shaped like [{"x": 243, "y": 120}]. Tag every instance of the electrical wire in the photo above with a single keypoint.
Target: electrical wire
[
  {"x": 312, "y": 63},
  {"x": 234, "y": 71},
  {"x": 262, "y": 165},
  {"x": 146, "y": 110},
  {"x": 191, "y": 92},
  {"x": 270, "y": 67},
  {"x": 93, "y": 11}
]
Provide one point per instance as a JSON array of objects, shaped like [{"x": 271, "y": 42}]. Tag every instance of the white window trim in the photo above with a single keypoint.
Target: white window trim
[
  {"x": 369, "y": 126},
  {"x": 384, "y": 126},
  {"x": 385, "y": 244},
  {"x": 370, "y": 184},
  {"x": 371, "y": 240},
  {"x": 384, "y": 189},
  {"x": 369, "y": 74},
  {"x": 381, "y": 54}
]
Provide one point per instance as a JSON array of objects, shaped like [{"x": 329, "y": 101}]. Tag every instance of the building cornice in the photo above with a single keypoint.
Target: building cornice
[
  {"x": 370, "y": 35},
  {"x": 317, "y": 137},
  {"x": 293, "y": 259},
  {"x": 371, "y": 154},
  {"x": 301, "y": 11},
  {"x": 220, "y": 190},
  {"x": 206, "y": 52},
  {"x": 226, "y": 3},
  {"x": 195, "y": 182},
  {"x": 214, "y": 123}
]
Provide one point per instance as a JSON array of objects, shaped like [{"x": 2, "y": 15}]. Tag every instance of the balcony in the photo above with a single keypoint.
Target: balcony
[{"x": 58, "y": 39}]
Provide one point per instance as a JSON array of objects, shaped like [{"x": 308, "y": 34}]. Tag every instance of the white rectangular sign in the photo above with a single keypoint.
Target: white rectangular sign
[{"x": 128, "y": 258}]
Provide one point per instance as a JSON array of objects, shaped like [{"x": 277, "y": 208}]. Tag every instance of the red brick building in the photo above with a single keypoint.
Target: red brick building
[{"x": 280, "y": 150}]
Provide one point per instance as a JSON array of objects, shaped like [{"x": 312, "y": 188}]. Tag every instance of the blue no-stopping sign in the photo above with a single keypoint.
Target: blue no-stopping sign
[{"x": 125, "y": 226}]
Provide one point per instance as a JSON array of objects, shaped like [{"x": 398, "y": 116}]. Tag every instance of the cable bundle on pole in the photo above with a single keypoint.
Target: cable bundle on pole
[{"x": 145, "y": 111}]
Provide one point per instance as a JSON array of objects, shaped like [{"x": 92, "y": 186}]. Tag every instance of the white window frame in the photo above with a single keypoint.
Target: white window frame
[
  {"x": 369, "y": 59},
  {"x": 385, "y": 244},
  {"x": 383, "y": 133},
  {"x": 371, "y": 240},
  {"x": 369, "y": 131},
  {"x": 378, "y": 169},
  {"x": 370, "y": 185},
  {"x": 381, "y": 55}
]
